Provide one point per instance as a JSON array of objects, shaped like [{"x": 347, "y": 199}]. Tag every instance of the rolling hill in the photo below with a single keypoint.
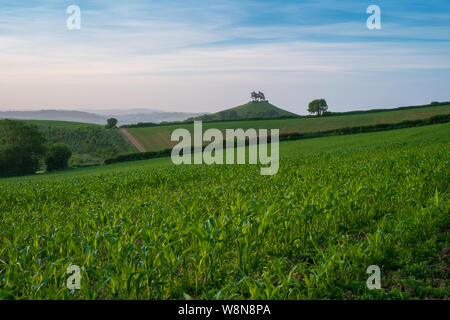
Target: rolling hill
[
  {"x": 91, "y": 144},
  {"x": 158, "y": 137},
  {"x": 249, "y": 110}
]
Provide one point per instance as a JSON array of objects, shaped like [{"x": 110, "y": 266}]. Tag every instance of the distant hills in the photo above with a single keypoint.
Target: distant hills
[
  {"x": 255, "y": 110},
  {"x": 251, "y": 110},
  {"x": 124, "y": 116}
]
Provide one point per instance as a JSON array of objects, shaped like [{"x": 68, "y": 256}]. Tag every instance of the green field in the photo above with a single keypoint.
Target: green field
[
  {"x": 151, "y": 230},
  {"x": 158, "y": 138}
]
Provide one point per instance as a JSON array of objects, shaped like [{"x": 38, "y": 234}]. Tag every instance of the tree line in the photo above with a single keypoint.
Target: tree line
[
  {"x": 27, "y": 148},
  {"x": 93, "y": 140},
  {"x": 23, "y": 148}
]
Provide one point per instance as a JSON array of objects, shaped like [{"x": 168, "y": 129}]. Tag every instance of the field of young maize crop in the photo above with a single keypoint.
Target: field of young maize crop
[{"x": 337, "y": 206}]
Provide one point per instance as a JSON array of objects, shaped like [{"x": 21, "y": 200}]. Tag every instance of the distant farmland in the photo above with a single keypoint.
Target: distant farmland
[{"x": 158, "y": 138}]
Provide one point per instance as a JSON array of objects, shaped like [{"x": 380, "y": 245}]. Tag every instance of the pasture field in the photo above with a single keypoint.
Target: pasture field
[
  {"x": 158, "y": 138},
  {"x": 152, "y": 230}
]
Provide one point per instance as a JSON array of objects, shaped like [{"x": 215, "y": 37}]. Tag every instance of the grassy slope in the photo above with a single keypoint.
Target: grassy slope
[
  {"x": 90, "y": 143},
  {"x": 338, "y": 205},
  {"x": 157, "y": 138},
  {"x": 252, "y": 110}
]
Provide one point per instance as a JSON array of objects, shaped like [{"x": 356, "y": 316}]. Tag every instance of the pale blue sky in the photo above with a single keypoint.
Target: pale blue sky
[{"x": 204, "y": 56}]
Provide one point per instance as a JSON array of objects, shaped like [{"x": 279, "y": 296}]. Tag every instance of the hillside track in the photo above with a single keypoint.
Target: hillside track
[{"x": 133, "y": 141}]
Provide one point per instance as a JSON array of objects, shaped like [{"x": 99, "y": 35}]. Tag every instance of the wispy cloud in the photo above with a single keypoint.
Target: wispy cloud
[{"x": 255, "y": 43}]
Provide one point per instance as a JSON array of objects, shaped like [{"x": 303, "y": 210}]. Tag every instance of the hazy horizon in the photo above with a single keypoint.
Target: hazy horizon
[
  {"x": 134, "y": 110},
  {"x": 197, "y": 56}
]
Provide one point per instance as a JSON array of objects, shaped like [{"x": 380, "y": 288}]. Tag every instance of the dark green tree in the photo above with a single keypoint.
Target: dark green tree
[
  {"x": 21, "y": 148},
  {"x": 318, "y": 106},
  {"x": 57, "y": 156},
  {"x": 111, "y": 123}
]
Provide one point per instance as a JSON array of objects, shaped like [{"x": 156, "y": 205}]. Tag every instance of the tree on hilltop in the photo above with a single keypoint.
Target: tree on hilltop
[
  {"x": 258, "y": 96},
  {"x": 318, "y": 106}
]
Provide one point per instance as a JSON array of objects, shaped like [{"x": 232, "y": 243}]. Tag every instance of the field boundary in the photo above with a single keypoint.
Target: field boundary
[{"x": 439, "y": 119}]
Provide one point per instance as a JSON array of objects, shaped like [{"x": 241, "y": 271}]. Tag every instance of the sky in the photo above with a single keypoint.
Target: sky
[{"x": 206, "y": 56}]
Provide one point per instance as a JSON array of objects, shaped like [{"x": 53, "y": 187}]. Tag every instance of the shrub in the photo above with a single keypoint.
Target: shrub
[
  {"x": 21, "y": 148},
  {"x": 111, "y": 123},
  {"x": 57, "y": 156}
]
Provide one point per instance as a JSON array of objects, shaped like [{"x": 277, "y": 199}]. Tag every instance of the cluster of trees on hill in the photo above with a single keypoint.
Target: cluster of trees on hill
[
  {"x": 258, "y": 96},
  {"x": 23, "y": 148}
]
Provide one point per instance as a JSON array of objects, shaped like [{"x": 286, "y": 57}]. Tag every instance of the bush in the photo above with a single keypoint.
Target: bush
[
  {"x": 57, "y": 156},
  {"x": 111, "y": 123},
  {"x": 318, "y": 106},
  {"x": 21, "y": 148}
]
